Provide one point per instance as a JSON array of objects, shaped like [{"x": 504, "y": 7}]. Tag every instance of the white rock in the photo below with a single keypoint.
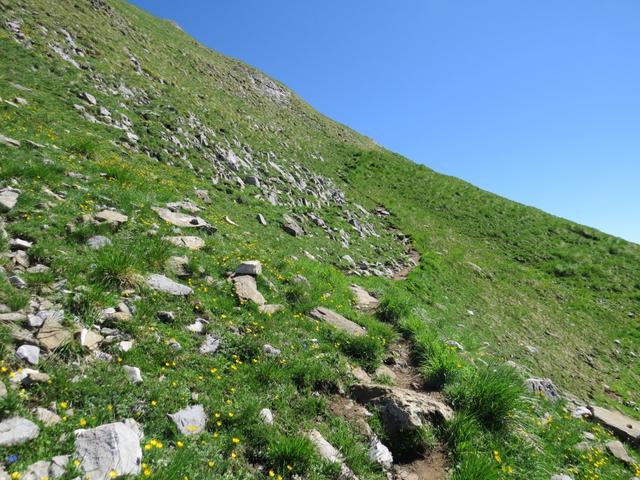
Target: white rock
[
  {"x": 16, "y": 431},
  {"x": 166, "y": 285},
  {"x": 379, "y": 453},
  {"x": 271, "y": 351},
  {"x": 37, "y": 471},
  {"x": 110, "y": 447},
  {"x": 210, "y": 345},
  {"x": 133, "y": 373},
  {"x": 28, "y": 353},
  {"x": 196, "y": 327},
  {"x": 191, "y": 420},
  {"x": 47, "y": 417},
  {"x": 125, "y": 345},
  {"x": 267, "y": 416}
]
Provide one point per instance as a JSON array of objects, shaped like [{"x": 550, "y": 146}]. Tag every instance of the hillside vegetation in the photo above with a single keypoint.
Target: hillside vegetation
[{"x": 181, "y": 234}]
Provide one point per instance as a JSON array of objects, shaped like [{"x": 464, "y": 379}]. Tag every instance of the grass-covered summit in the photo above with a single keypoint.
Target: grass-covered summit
[{"x": 139, "y": 170}]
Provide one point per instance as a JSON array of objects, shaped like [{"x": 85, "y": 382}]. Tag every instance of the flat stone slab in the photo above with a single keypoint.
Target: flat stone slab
[
  {"x": 625, "y": 428},
  {"x": 337, "y": 320},
  {"x": 364, "y": 300},
  {"x": 108, "y": 448},
  {"x": 53, "y": 335},
  {"x": 9, "y": 142},
  {"x": 247, "y": 289},
  {"x": 166, "y": 285},
  {"x": 187, "y": 241},
  {"x": 16, "y": 431},
  {"x": 191, "y": 420},
  {"x": 180, "y": 219},
  {"x": 110, "y": 217}
]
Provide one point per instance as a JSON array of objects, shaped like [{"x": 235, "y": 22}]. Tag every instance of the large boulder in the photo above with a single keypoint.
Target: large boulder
[
  {"x": 623, "y": 427},
  {"x": 364, "y": 300},
  {"x": 191, "y": 420},
  {"x": 400, "y": 408},
  {"x": 337, "y": 320},
  {"x": 16, "y": 431},
  {"x": 166, "y": 285},
  {"x": 247, "y": 289},
  {"x": 114, "y": 447}
]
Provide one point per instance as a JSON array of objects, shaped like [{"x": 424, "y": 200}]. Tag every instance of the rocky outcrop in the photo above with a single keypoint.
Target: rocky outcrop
[{"x": 623, "y": 427}]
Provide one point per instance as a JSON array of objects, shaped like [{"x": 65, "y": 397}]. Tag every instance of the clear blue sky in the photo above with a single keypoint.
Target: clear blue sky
[{"x": 538, "y": 101}]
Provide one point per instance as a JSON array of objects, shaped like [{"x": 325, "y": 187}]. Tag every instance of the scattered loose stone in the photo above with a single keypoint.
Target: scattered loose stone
[
  {"x": 196, "y": 327},
  {"x": 179, "y": 266},
  {"x": 364, "y": 301},
  {"x": 616, "y": 448},
  {"x": 98, "y": 241},
  {"x": 261, "y": 219},
  {"x": 16, "y": 431},
  {"x": 337, "y": 320},
  {"x": 247, "y": 289},
  {"x": 28, "y": 353},
  {"x": 37, "y": 471},
  {"x": 230, "y": 222},
  {"x": 108, "y": 448},
  {"x": 89, "y": 98},
  {"x": 623, "y": 427},
  {"x": 581, "y": 412},
  {"x": 133, "y": 373},
  {"x": 27, "y": 376},
  {"x": 90, "y": 339},
  {"x": 58, "y": 466},
  {"x": 17, "y": 281},
  {"x": 165, "y": 316},
  {"x": 455, "y": 345},
  {"x": 166, "y": 285},
  {"x": 271, "y": 351},
  {"x": 110, "y": 217},
  {"x": 249, "y": 267},
  {"x": 290, "y": 226},
  {"x": 19, "y": 244},
  {"x": 210, "y": 345},
  {"x": 544, "y": 387},
  {"x": 561, "y": 477},
  {"x": 191, "y": 242},
  {"x": 125, "y": 345},
  {"x": 47, "y": 417},
  {"x": 191, "y": 420},
  {"x": 3, "y": 389},
  {"x": 53, "y": 335},
  {"x": 266, "y": 416}
]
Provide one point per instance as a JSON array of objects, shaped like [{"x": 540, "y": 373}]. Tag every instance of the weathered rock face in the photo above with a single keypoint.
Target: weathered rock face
[
  {"x": 166, "y": 285},
  {"x": 400, "y": 408},
  {"x": 187, "y": 241},
  {"x": 247, "y": 289},
  {"x": 337, "y": 320},
  {"x": 16, "y": 431},
  {"x": 364, "y": 301},
  {"x": 544, "y": 387},
  {"x": 108, "y": 448},
  {"x": 191, "y": 420},
  {"x": 623, "y": 427}
]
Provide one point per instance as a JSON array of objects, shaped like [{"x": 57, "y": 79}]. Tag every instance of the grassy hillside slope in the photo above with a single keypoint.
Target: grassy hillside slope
[{"x": 168, "y": 120}]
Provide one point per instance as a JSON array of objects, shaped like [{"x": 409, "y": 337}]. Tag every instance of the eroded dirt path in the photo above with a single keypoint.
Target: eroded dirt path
[{"x": 414, "y": 261}]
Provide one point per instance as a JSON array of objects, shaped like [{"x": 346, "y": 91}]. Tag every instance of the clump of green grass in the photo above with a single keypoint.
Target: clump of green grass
[
  {"x": 293, "y": 453},
  {"x": 395, "y": 305},
  {"x": 115, "y": 267},
  {"x": 490, "y": 394},
  {"x": 366, "y": 349}
]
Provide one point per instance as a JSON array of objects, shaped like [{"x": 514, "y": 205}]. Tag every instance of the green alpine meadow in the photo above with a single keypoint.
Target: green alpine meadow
[{"x": 201, "y": 277}]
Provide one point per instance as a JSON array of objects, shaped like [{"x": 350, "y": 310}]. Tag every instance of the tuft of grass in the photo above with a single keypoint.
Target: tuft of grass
[
  {"x": 293, "y": 453},
  {"x": 115, "y": 267},
  {"x": 366, "y": 349},
  {"x": 490, "y": 394},
  {"x": 395, "y": 305}
]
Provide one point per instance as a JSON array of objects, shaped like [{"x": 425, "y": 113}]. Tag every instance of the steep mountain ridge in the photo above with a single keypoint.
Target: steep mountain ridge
[{"x": 201, "y": 163}]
